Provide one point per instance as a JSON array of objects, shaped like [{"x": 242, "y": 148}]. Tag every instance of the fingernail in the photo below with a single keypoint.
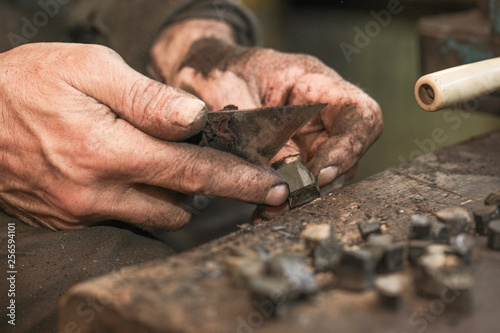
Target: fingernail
[
  {"x": 277, "y": 195},
  {"x": 189, "y": 111},
  {"x": 327, "y": 175}
]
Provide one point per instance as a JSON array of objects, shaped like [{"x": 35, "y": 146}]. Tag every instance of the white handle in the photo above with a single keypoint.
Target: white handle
[{"x": 458, "y": 85}]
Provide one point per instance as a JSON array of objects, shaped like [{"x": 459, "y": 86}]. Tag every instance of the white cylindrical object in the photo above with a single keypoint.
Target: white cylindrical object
[{"x": 458, "y": 85}]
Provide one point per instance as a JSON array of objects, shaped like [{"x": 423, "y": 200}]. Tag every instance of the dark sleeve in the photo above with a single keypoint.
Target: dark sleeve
[{"x": 130, "y": 27}]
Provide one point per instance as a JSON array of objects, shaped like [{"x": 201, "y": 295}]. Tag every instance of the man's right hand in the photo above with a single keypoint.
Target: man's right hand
[{"x": 85, "y": 138}]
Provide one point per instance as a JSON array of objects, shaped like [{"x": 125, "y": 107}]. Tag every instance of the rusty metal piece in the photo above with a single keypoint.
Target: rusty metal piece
[
  {"x": 327, "y": 254},
  {"x": 321, "y": 243},
  {"x": 416, "y": 249},
  {"x": 271, "y": 294},
  {"x": 387, "y": 255},
  {"x": 392, "y": 259},
  {"x": 457, "y": 219},
  {"x": 494, "y": 235},
  {"x": 441, "y": 274},
  {"x": 420, "y": 227},
  {"x": 368, "y": 228},
  {"x": 435, "y": 272},
  {"x": 356, "y": 270},
  {"x": 440, "y": 232},
  {"x": 255, "y": 135},
  {"x": 281, "y": 280},
  {"x": 389, "y": 288},
  {"x": 275, "y": 281},
  {"x": 313, "y": 234},
  {"x": 441, "y": 249},
  {"x": 493, "y": 199},
  {"x": 300, "y": 279},
  {"x": 379, "y": 240},
  {"x": 301, "y": 183},
  {"x": 483, "y": 215},
  {"x": 463, "y": 245},
  {"x": 244, "y": 269}
]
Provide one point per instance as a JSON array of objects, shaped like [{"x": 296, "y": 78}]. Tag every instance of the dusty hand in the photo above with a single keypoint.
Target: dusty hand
[
  {"x": 219, "y": 72},
  {"x": 85, "y": 138}
]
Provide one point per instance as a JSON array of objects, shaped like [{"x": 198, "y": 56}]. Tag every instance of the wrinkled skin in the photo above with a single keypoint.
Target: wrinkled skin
[
  {"x": 212, "y": 67},
  {"x": 85, "y": 138}
]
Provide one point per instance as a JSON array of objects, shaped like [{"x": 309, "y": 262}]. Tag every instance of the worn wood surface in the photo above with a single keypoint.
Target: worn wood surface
[{"x": 192, "y": 292}]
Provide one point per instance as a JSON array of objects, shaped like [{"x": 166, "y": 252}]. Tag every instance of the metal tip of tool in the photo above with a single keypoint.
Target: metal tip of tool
[{"x": 257, "y": 135}]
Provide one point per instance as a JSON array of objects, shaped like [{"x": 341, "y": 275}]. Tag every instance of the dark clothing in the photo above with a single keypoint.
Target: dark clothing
[
  {"x": 129, "y": 27},
  {"x": 116, "y": 25},
  {"x": 48, "y": 263}
]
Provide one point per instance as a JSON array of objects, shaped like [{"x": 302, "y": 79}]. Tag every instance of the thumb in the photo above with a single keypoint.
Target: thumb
[{"x": 152, "y": 107}]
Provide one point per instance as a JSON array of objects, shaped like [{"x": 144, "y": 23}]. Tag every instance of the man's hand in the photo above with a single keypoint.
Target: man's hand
[
  {"x": 85, "y": 138},
  {"x": 212, "y": 67}
]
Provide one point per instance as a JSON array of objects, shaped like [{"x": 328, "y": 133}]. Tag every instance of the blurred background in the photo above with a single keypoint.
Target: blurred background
[{"x": 387, "y": 68}]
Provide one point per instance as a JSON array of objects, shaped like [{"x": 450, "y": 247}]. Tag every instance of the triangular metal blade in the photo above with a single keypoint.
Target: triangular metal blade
[{"x": 256, "y": 135}]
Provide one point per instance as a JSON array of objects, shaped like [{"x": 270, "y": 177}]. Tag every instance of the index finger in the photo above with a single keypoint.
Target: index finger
[{"x": 189, "y": 169}]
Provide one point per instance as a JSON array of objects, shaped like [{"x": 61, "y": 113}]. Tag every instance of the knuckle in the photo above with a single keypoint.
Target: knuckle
[
  {"x": 143, "y": 98},
  {"x": 271, "y": 53},
  {"x": 374, "y": 116},
  {"x": 309, "y": 63},
  {"x": 77, "y": 203},
  {"x": 74, "y": 179},
  {"x": 90, "y": 156},
  {"x": 92, "y": 58},
  {"x": 311, "y": 60},
  {"x": 194, "y": 177},
  {"x": 100, "y": 52},
  {"x": 170, "y": 218}
]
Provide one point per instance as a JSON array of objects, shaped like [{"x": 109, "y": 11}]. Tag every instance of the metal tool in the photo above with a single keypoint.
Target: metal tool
[
  {"x": 256, "y": 135},
  {"x": 301, "y": 183}
]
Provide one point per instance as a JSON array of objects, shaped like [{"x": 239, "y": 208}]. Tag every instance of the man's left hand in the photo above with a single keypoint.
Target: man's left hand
[{"x": 220, "y": 73}]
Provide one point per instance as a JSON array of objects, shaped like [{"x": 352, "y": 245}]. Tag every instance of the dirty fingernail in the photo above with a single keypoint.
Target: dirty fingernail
[
  {"x": 277, "y": 195},
  {"x": 327, "y": 175},
  {"x": 189, "y": 110}
]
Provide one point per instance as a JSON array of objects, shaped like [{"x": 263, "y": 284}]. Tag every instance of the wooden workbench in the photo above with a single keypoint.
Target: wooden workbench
[{"x": 192, "y": 292}]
